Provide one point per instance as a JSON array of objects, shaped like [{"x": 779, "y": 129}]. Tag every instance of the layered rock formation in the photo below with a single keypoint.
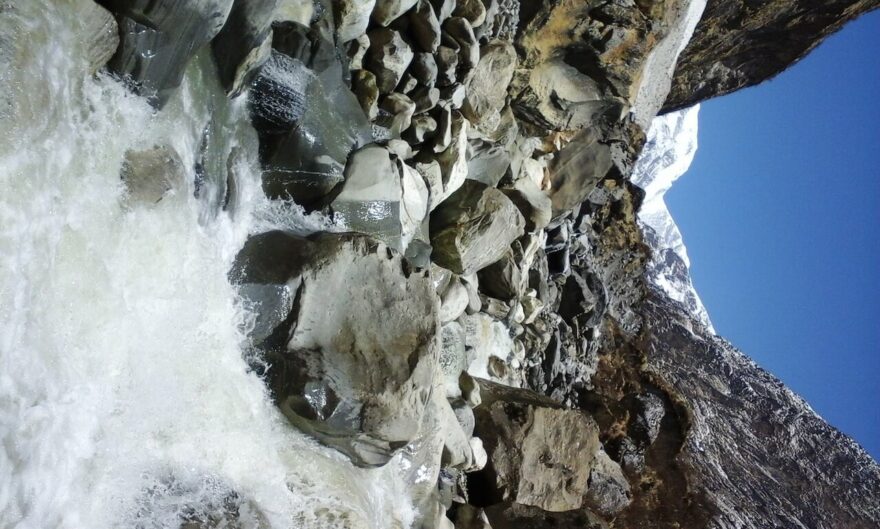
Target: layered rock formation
[{"x": 488, "y": 319}]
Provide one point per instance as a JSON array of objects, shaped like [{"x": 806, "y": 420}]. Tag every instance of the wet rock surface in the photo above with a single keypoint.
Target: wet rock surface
[
  {"x": 159, "y": 38},
  {"x": 364, "y": 391}
]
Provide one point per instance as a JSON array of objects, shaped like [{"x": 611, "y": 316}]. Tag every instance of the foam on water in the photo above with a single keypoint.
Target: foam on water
[{"x": 124, "y": 398}]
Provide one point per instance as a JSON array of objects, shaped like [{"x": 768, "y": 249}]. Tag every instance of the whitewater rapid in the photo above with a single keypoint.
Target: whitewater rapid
[{"x": 124, "y": 396}]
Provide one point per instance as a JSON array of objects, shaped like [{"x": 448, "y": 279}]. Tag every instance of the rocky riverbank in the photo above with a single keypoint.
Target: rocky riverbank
[{"x": 475, "y": 300}]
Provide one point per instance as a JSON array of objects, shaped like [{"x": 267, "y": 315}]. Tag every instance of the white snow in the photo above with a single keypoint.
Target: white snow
[{"x": 668, "y": 153}]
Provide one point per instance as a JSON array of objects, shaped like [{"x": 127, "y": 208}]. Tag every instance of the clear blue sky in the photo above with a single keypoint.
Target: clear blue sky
[{"x": 780, "y": 213}]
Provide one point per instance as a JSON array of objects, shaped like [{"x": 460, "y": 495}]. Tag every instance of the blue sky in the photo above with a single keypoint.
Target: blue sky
[{"x": 780, "y": 213}]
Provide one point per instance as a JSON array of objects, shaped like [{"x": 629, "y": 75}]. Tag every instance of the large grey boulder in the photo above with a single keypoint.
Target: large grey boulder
[
  {"x": 304, "y": 147},
  {"x": 149, "y": 175},
  {"x": 485, "y": 96},
  {"x": 576, "y": 170},
  {"x": 542, "y": 455},
  {"x": 244, "y": 43},
  {"x": 473, "y": 228},
  {"x": 424, "y": 26},
  {"x": 102, "y": 34},
  {"x": 382, "y": 197},
  {"x": 388, "y": 58},
  {"x": 355, "y": 384},
  {"x": 352, "y": 18},
  {"x": 387, "y": 11},
  {"x": 158, "y": 39},
  {"x": 532, "y": 202}
]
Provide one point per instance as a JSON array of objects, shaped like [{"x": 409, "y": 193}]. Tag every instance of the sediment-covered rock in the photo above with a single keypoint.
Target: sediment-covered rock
[{"x": 148, "y": 176}]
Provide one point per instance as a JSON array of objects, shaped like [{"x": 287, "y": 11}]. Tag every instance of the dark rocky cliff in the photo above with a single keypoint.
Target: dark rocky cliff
[{"x": 738, "y": 44}]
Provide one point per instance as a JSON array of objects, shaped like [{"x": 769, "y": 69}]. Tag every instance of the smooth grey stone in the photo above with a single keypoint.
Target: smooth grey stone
[
  {"x": 244, "y": 43},
  {"x": 388, "y": 58},
  {"x": 424, "y": 26},
  {"x": 473, "y": 228},
  {"x": 158, "y": 38}
]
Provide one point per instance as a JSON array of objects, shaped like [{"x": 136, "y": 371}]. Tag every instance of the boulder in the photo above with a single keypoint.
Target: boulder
[
  {"x": 363, "y": 83},
  {"x": 299, "y": 11},
  {"x": 381, "y": 197},
  {"x": 424, "y": 26},
  {"x": 387, "y": 11},
  {"x": 278, "y": 94},
  {"x": 576, "y": 170},
  {"x": 356, "y": 386},
  {"x": 453, "y": 302},
  {"x": 148, "y": 176},
  {"x": 533, "y": 203},
  {"x": 244, "y": 43},
  {"x": 425, "y": 99},
  {"x": 459, "y": 30},
  {"x": 540, "y": 454},
  {"x": 388, "y": 58},
  {"x": 159, "y": 37},
  {"x": 433, "y": 178},
  {"x": 352, "y": 18},
  {"x": 423, "y": 126},
  {"x": 488, "y": 162},
  {"x": 357, "y": 50},
  {"x": 443, "y": 8},
  {"x": 485, "y": 95},
  {"x": 502, "y": 279},
  {"x": 473, "y": 228},
  {"x": 314, "y": 45},
  {"x": 102, "y": 32},
  {"x": 424, "y": 69},
  {"x": 401, "y": 108},
  {"x": 447, "y": 65},
  {"x": 472, "y": 10},
  {"x": 453, "y": 159},
  {"x": 608, "y": 491},
  {"x": 304, "y": 148},
  {"x": 454, "y": 95}
]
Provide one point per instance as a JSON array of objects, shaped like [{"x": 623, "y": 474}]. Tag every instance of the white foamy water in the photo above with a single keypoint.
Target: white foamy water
[{"x": 124, "y": 398}]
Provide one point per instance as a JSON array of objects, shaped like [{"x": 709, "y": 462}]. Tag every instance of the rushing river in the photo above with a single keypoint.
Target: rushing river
[{"x": 125, "y": 400}]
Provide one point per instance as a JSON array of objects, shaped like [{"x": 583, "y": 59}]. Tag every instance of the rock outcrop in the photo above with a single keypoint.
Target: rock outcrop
[
  {"x": 742, "y": 43},
  {"x": 749, "y": 440}
]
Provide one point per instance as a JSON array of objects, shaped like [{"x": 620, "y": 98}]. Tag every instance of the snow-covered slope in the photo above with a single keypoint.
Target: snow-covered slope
[{"x": 672, "y": 143}]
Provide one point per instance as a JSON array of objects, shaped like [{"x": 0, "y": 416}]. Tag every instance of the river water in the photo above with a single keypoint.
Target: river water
[{"x": 124, "y": 397}]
